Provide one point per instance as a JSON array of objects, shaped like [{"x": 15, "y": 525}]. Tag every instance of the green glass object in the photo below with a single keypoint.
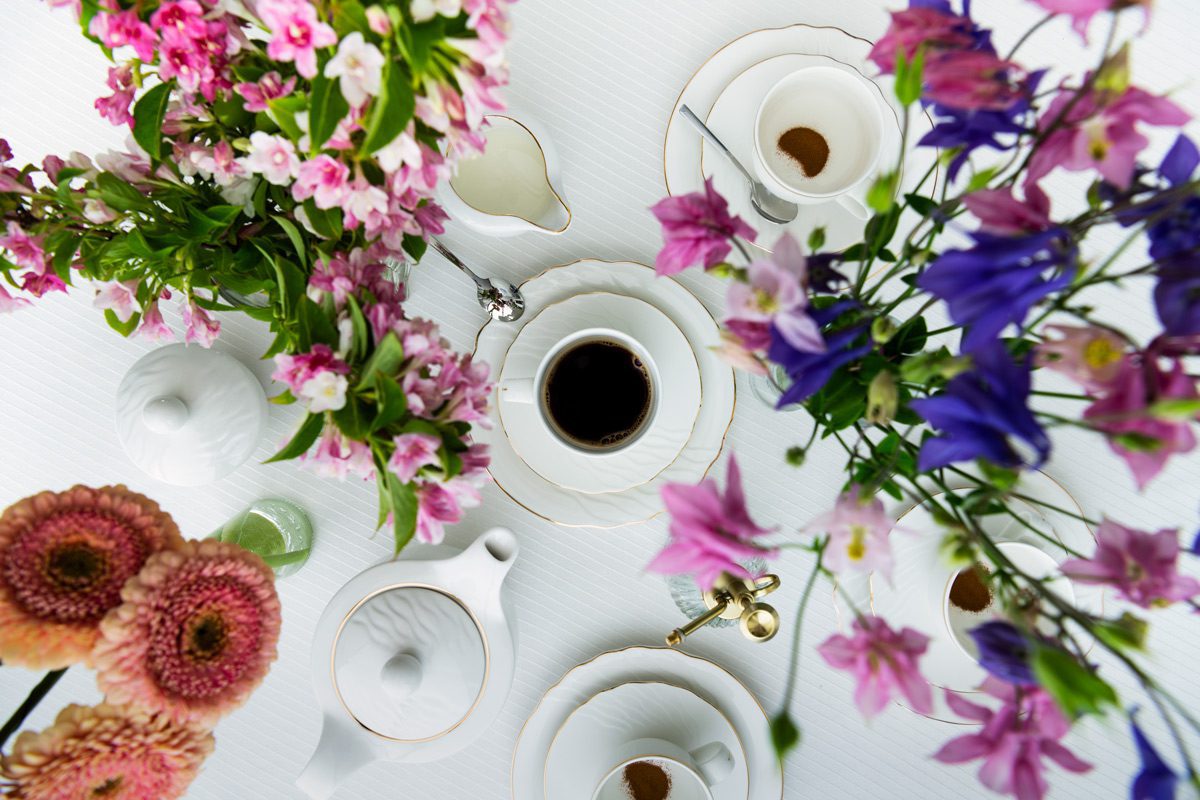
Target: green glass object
[{"x": 277, "y": 530}]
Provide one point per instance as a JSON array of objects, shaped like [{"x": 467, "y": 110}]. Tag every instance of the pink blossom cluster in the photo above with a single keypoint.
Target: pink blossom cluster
[
  {"x": 1134, "y": 393},
  {"x": 318, "y": 377},
  {"x": 27, "y": 252},
  {"x": 443, "y": 503}
]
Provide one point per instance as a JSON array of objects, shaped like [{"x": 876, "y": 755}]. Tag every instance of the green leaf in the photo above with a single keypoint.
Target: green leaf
[
  {"x": 354, "y": 417},
  {"x": 391, "y": 401},
  {"x": 358, "y": 324},
  {"x": 123, "y": 328},
  {"x": 882, "y": 193},
  {"x": 1179, "y": 409},
  {"x": 349, "y": 16},
  {"x": 64, "y": 254},
  {"x": 1075, "y": 688},
  {"x": 921, "y": 204},
  {"x": 419, "y": 42},
  {"x": 1125, "y": 632},
  {"x": 116, "y": 193},
  {"x": 148, "y": 115},
  {"x": 981, "y": 179},
  {"x": 304, "y": 438},
  {"x": 390, "y": 111},
  {"x": 205, "y": 224},
  {"x": 291, "y": 281},
  {"x": 908, "y": 77},
  {"x": 326, "y": 109},
  {"x": 785, "y": 736},
  {"x": 327, "y": 222},
  {"x": 283, "y": 111},
  {"x": 316, "y": 324},
  {"x": 402, "y": 498},
  {"x": 1002, "y": 478},
  {"x": 387, "y": 358},
  {"x": 816, "y": 239},
  {"x": 415, "y": 246},
  {"x": 293, "y": 234}
]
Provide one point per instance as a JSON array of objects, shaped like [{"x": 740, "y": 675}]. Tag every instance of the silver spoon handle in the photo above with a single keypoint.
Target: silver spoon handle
[
  {"x": 456, "y": 261},
  {"x": 691, "y": 117}
]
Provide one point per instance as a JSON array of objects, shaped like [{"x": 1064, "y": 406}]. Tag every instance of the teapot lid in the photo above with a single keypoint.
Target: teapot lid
[{"x": 410, "y": 662}]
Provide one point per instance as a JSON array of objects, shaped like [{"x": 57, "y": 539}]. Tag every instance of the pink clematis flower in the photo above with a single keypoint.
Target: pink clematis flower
[
  {"x": 413, "y": 451},
  {"x": 115, "y": 107},
  {"x": 1013, "y": 739},
  {"x": 883, "y": 663},
  {"x": 274, "y": 157},
  {"x": 858, "y": 529},
  {"x": 26, "y": 250},
  {"x": 697, "y": 229},
  {"x": 269, "y": 87},
  {"x": 1140, "y": 565},
  {"x": 776, "y": 296},
  {"x": 710, "y": 531},
  {"x": 1135, "y": 432},
  {"x": 1001, "y": 213},
  {"x": 1082, "y": 11},
  {"x": 201, "y": 328},
  {"x": 118, "y": 29},
  {"x": 972, "y": 80},
  {"x": 918, "y": 27},
  {"x": 153, "y": 327},
  {"x": 324, "y": 179},
  {"x": 296, "y": 32},
  {"x": 1100, "y": 133},
  {"x": 120, "y": 297},
  {"x": 1089, "y": 355}
]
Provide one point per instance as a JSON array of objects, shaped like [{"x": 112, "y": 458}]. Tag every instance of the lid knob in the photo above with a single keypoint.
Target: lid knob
[
  {"x": 401, "y": 676},
  {"x": 165, "y": 414}
]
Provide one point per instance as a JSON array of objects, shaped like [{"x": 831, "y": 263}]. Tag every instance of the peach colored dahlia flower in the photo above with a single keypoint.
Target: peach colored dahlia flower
[
  {"x": 195, "y": 635},
  {"x": 64, "y": 557},
  {"x": 105, "y": 752}
]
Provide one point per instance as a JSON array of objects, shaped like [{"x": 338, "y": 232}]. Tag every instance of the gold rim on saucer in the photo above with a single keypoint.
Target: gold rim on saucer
[
  {"x": 546, "y": 171},
  {"x": 695, "y": 419},
  {"x": 737, "y": 737},
  {"x": 724, "y": 434}
]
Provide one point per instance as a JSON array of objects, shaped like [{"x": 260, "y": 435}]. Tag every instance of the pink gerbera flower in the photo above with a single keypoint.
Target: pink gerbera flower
[
  {"x": 63, "y": 560},
  {"x": 196, "y": 633},
  {"x": 107, "y": 752}
]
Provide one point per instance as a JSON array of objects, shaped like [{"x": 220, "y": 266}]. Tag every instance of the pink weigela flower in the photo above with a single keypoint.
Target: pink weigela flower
[
  {"x": 115, "y": 107},
  {"x": 201, "y": 328},
  {"x": 324, "y": 179},
  {"x": 413, "y": 451},
  {"x": 274, "y": 157},
  {"x": 121, "y": 28},
  {"x": 269, "y": 87},
  {"x": 296, "y": 32}
]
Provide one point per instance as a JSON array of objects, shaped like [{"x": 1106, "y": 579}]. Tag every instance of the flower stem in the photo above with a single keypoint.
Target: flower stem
[
  {"x": 1025, "y": 36},
  {"x": 794, "y": 665},
  {"x": 26, "y": 708}
]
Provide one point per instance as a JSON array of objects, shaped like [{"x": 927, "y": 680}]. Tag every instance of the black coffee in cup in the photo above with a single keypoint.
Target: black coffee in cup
[{"x": 598, "y": 394}]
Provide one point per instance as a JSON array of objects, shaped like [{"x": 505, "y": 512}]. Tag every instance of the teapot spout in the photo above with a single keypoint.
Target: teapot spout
[
  {"x": 339, "y": 753},
  {"x": 492, "y": 555}
]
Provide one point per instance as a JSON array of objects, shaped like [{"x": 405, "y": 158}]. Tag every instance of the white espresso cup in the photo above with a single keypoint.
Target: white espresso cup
[
  {"x": 691, "y": 775},
  {"x": 533, "y": 390},
  {"x": 845, "y": 111}
]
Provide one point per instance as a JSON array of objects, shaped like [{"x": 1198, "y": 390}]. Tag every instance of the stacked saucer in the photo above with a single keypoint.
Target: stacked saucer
[
  {"x": 689, "y": 395},
  {"x": 672, "y": 716},
  {"x": 727, "y": 90}
]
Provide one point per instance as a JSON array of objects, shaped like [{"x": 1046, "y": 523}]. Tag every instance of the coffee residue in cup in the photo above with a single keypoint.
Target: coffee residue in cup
[
  {"x": 970, "y": 590},
  {"x": 645, "y": 780},
  {"x": 807, "y": 148}
]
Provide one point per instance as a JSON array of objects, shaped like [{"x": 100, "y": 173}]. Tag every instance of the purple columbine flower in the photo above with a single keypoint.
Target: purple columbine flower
[
  {"x": 981, "y": 412},
  {"x": 809, "y": 371},
  {"x": 1155, "y": 780},
  {"x": 996, "y": 282},
  {"x": 1004, "y": 652}
]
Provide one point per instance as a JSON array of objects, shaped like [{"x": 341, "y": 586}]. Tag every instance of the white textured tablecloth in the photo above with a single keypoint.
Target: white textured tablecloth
[{"x": 603, "y": 77}]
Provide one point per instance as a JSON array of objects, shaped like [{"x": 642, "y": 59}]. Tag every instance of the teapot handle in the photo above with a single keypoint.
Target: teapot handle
[{"x": 339, "y": 753}]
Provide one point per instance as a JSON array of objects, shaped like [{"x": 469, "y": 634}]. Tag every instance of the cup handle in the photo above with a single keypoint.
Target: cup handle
[
  {"x": 517, "y": 390},
  {"x": 714, "y": 761},
  {"x": 854, "y": 206}
]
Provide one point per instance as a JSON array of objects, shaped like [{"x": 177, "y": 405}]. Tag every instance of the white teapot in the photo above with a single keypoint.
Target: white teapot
[
  {"x": 513, "y": 186},
  {"x": 412, "y": 661}
]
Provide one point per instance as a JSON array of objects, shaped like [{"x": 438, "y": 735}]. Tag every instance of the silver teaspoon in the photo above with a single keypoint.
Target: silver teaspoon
[
  {"x": 769, "y": 206},
  {"x": 499, "y": 298}
]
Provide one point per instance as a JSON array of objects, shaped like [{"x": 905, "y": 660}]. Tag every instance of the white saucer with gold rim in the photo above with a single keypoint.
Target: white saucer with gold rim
[
  {"x": 594, "y": 736},
  {"x": 566, "y": 506},
  {"x": 675, "y": 379}
]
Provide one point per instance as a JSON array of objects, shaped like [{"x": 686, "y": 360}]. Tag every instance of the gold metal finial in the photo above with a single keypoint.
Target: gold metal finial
[{"x": 733, "y": 598}]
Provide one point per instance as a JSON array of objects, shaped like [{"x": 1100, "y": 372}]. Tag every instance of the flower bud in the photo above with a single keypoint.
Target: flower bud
[
  {"x": 377, "y": 20},
  {"x": 795, "y": 456},
  {"x": 883, "y": 329},
  {"x": 882, "y": 399}
]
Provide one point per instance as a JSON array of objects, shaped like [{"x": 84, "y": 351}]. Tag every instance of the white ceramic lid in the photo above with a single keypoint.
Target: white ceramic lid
[
  {"x": 409, "y": 663},
  {"x": 189, "y": 416}
]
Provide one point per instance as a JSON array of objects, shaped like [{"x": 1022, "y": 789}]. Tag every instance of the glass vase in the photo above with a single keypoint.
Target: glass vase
[{"x": 277, "y": 530}]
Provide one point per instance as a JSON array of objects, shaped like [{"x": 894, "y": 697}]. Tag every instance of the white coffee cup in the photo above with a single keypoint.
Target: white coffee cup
[
  {"x": 531, "y": 390},
  {"x": 1030, "y": 560},
  {"x": 845, "y": 111},
  {"x": 692, "y": 775}
]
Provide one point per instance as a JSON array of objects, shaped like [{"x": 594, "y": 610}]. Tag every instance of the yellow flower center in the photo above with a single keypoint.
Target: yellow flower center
[
  {"x": 1097, "y": 133},
  {"x": 858, "y": 542},
  {"x": 205, "y": 637},
  {"x": 765, "y": 301},
  {"x": 1100, "y": 352}
]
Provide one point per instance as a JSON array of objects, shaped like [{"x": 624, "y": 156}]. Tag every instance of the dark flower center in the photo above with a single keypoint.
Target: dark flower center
[
  {"x": 109, "y": 788},
  {"x": 75, "y": 566},
  {"x": 205, "y": 637}
]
